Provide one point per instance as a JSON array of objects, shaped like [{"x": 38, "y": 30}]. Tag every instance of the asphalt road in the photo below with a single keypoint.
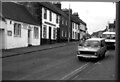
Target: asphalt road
[{"x": 58, "y": 64}]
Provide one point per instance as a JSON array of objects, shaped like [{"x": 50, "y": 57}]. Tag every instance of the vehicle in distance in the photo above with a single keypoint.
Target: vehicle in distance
[
  {"x": 109, "y": 38},
  {"x": 92, "y": 48}
]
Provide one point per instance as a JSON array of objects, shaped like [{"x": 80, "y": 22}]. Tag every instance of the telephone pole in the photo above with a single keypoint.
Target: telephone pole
[{"x": 69, "y": 25}]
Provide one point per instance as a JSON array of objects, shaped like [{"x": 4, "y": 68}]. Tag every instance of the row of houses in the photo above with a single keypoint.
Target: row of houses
[{"x": 37, "y": 23}]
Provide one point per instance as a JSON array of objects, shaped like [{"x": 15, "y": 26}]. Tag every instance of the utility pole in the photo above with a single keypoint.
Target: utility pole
[
  {"x": 118, "y": 38},
  {"x": 69, "y": 26}
]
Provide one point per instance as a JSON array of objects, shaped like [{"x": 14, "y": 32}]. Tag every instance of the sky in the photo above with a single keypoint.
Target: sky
[{"x": 96, "y": 15}]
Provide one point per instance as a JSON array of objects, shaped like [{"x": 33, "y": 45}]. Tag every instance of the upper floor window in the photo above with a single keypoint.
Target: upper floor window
[
  {"x": 62, "y": 20},
  {"x": 57, "y": 18},
  {"x": 66, "y": 22},
  {"x": 50, "y": 16},
  {"x": 45, "y": 13},
  {"x": 36, "y": 32},
  {"x": 72, "y": 25},
  {"x": 17, "y": 30}
]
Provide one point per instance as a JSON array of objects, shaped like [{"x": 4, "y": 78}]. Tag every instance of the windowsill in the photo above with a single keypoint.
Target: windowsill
[{"x": 17, "y": 36}]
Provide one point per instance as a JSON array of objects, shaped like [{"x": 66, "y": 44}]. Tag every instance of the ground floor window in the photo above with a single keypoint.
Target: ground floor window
[
  {"x": 62, "y": 33},
  {"x": 17, "y": 30},
  {"x": 54, "y": 33},
  {"x": 73, "y": 34},
  {"x": 36, "y": 32},
  {"x": 44, "y": 31}
]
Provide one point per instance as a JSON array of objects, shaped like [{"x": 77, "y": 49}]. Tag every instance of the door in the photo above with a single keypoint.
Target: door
[
  {"x": 50, "y": 35},
  {"x": 29, "y": 37}
]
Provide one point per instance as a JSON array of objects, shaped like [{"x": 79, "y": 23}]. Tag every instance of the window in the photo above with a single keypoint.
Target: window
[
  {"x": 56, "y": 18},
  {"x": 62, "y": 33},
  {"x": 66, "y": 22},
  {"x": 17, "y": 30},
  {"x": 65, "y": 34},
  {"x": 62, "y": 20},
  {"x": 73, "y": 34},
  {"x": 50, "y": 16},
  {"x": 45, "y": 13},
  {"x": 44, "y": 31},
  {"x": 54, "y": 33},
  {"x": 72, "y": 25},
  {"x": 36, "y": 32}
]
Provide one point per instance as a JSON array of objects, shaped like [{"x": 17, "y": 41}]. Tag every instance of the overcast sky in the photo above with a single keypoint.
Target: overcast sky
[{"x": 95, "y": 14}]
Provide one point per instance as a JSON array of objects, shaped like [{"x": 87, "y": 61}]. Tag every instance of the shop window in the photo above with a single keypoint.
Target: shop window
[{"x": 44, "y": 31}]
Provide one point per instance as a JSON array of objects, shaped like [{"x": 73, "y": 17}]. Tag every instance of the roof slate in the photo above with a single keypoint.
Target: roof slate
[{"x": 17, "y": 12}]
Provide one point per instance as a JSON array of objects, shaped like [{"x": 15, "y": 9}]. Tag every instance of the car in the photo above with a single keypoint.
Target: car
[
  {"x": 92, "y": 48},
  {"x": 109, "y": 39}
]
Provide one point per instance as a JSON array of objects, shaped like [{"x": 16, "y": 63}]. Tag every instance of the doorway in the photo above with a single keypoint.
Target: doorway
[
  {"x": 49, "y": 35},
  {"x": 29, "y": 37}
]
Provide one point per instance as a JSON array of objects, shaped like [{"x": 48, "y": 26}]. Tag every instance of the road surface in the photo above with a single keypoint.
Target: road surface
[{"x": 58, "y": 64}]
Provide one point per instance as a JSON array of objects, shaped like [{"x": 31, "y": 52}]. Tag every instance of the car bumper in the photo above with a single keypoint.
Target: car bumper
[{"x": 87, "y": 56}]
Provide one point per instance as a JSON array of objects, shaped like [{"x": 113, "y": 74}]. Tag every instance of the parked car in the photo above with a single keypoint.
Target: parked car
[
  {"x": 92, "y": 48},
  {"x": 109, "y": 39}
]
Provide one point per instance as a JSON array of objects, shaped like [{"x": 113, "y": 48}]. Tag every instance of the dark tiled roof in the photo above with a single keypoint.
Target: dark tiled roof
[
  {"x": 17, "y": 12},
  {"x": 76, "y": 19},
  {"x": 53, "y": 8}
]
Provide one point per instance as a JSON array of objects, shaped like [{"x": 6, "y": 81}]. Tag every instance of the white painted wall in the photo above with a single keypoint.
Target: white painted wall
[
  {"x": 35, "y": 41},
  {"x": 82, "y": 26},
  {"x": 2, "y": 34},
  {"x": 75, "y": 29},
  {"x": 54, "y": 16},
  {"x": 17, "y": 42}
]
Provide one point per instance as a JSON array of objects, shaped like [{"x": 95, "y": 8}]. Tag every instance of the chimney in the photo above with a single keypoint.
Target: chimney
[
  {"x": 67, "y": 11},
  {"x": 75, "y": 14},
  {"x": 58, "y": 4}
]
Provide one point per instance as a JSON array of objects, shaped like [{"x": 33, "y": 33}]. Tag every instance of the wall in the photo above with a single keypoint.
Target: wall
[
  {"x": 35, "y": 41},
  {"x": 2, "y": 34},
  {"x": 16, "y": 42},
  {"x": 75, "y": 30},
  {"x": 22, "y": 41},
  {"x": 82, "y": 26}
]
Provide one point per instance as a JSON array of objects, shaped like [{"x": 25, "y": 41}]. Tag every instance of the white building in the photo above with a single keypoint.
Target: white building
[
  {"x": 19, "y": 29},
  {"x": 82, "y": 30},
  {"x": 50, "y": 23},
  {"x": 75, "y": 31}
]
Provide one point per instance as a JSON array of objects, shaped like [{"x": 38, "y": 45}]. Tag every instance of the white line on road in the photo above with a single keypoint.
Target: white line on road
[{"x": 75, "y": 71}]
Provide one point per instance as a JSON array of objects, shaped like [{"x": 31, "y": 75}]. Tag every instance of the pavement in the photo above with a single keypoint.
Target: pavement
[{"x": 24, "y": 50}]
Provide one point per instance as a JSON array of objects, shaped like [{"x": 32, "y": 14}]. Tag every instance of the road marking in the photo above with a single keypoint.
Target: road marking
[{"x": 75, "y": 71}]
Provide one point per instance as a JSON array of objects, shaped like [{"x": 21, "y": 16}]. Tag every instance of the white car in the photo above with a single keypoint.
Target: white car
[{"x": 92, "y": 48}]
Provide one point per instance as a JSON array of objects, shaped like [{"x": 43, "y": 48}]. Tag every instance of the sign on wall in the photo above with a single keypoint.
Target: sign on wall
[{"x": 9, "y": 33}]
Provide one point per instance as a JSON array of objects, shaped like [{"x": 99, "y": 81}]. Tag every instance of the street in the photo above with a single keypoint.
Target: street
[{"x": 58, "y": 64}]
